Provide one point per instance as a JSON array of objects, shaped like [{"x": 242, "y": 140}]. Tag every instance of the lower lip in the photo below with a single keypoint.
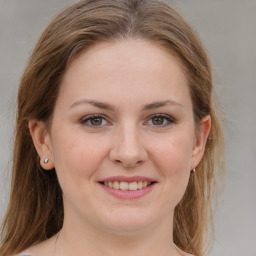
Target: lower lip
[{"x": 128, "y": 194}]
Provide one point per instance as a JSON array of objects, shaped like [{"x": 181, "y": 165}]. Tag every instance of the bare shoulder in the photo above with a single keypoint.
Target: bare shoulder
[
  {"x": 182, "y": 252},
  {"x": 22, "y": 254},
  {"x": 46, "y": 247}
]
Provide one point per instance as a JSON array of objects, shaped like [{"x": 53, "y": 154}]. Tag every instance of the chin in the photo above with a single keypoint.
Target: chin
[{"x": 129, "y": 222}]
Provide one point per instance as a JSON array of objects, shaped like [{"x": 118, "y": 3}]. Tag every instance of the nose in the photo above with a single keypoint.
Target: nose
[{"x": 128, "y": 148}]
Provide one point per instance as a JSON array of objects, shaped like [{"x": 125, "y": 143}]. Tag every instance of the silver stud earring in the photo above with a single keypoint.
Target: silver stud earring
[
  {"x": 194, "y": 170},
  {"x": 46, "y": 160}
]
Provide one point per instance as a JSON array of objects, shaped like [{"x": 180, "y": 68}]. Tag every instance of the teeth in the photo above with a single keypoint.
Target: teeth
[
  {"x": 127, "y": 185},
  {"x": 124, "y": 185},
  {"x": 116, "y": 185},
  {"x": 133, "y": 186}
]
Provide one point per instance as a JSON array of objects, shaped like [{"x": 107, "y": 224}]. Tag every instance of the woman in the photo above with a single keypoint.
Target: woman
[{"x": 118, "y": 141}]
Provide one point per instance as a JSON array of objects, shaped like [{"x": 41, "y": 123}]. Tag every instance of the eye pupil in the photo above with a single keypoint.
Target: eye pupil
[
  {"x": 96, "y": 121},
  {"x": 158, "y": 120}
]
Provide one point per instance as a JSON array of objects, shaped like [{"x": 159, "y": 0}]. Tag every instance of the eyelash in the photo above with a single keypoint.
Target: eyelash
[
  {"x": 86, "y": 119},
  {"x": 167, "y": 118},
  {"x": 89, "y": 118}
]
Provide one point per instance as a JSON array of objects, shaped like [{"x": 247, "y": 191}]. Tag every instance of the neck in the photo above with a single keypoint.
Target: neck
[{"x": 77, "y": 239}]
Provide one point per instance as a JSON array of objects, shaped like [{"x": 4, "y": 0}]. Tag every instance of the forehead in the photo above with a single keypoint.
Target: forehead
[
  {"x": 134, "y": 67},
  {"x": 124, "y": 53}
]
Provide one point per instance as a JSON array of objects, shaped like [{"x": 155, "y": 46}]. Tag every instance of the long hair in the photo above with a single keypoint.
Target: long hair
[{"x": 35, "y": 211}]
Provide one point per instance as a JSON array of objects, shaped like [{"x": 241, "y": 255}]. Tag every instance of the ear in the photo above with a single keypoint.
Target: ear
[
  {"x": 200, "y": 141},
  {"x": 42, "y": 143}
]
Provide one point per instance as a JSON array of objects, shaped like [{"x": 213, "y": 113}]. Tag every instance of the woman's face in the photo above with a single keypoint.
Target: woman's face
[{"x": 124, "y": 117}]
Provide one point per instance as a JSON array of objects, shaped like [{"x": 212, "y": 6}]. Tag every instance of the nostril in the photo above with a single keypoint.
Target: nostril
[{"x": 127, "y": 164}]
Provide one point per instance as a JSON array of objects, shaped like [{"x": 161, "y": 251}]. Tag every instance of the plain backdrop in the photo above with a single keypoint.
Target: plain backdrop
[{"x": 228, "y": 31}]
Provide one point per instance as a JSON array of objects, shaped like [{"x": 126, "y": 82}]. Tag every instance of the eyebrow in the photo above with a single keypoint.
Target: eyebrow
[
  {"x": 107, "y": 106},
  {"x": 95, "y": 103},
  {"x": 159, "y": 104}
]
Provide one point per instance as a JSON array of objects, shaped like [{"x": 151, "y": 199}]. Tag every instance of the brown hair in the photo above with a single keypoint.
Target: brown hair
[{"x": 35, "y": 210}]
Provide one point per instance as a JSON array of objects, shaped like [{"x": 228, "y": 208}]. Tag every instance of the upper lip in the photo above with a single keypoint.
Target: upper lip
[{"x": 127, "y": 179}]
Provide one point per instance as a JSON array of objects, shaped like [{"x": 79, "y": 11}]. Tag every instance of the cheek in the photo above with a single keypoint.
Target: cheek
[
  {"x": 77, "y": 156},
  {"x": 174, "y": 153},
  {"x": 172, "y": 158}
]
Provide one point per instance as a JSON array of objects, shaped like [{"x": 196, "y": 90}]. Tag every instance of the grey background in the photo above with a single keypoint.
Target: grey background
[{"x": 228, "y": 31}]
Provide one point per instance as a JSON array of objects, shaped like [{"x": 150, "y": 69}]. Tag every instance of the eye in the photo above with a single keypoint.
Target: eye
[
  {"x": 94, "y": 121},
  {"x": 160, "y": 120}
]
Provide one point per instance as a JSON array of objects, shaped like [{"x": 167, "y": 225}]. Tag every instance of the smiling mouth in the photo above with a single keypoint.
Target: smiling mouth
[{"x": 128, "y": 186}]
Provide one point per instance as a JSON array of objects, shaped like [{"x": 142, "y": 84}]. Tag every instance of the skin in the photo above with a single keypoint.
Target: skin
[{"x": 127, "y": 140}]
